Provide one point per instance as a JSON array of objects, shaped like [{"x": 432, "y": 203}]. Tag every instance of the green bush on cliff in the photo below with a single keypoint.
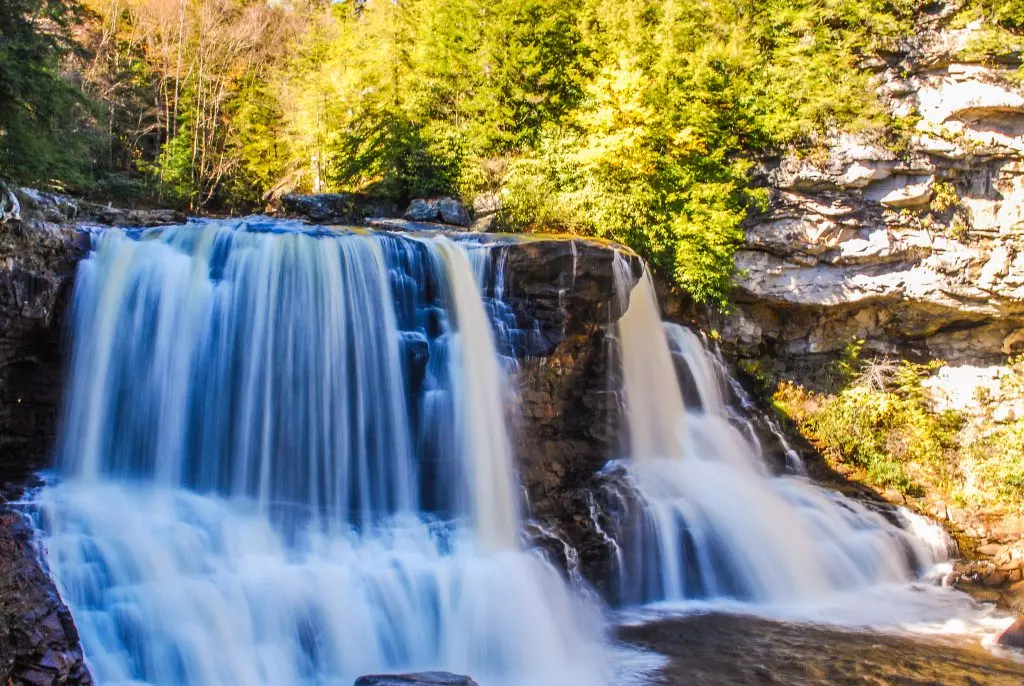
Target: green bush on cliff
[
  {"x": 994, "y": 449},
  {"x": 881, "y": 423}
]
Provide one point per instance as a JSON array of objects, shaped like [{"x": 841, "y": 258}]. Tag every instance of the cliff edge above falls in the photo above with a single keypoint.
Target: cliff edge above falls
[{"x": 919, "y": 252}]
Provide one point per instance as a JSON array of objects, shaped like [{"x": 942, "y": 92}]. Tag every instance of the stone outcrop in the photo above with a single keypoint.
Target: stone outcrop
[
  {"x": 43, "y": 209},
  {"x": 37, "y": 266},
  {"x": 336, "y": 208},
  {"x": 419, "y": 679},
  {"x": 565, "y": 302},
  {"x": 917, "y": 252},
  {"x": 39, "y": 644},
  {"x": 442, "y": 210}
]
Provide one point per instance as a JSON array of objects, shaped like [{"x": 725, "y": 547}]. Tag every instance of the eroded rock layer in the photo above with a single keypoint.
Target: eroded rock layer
[{"x": 916, "y": 250}]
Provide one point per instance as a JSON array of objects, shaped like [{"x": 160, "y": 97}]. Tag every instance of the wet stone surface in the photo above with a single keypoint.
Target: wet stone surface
[
  {"x": 39, "y": 644},
  {"x": 723, "y": 650},
  {"x": 418, "y": 679}
]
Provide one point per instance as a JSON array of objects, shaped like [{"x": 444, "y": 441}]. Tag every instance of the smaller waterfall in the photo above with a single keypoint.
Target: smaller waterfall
[
  {"x": 715, "y": 523},
  {"x": 481, "y": 414}
]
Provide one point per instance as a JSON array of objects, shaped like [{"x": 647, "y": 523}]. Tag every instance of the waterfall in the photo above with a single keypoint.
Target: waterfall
[
  {"x": 714, "y": 522},
  {"x": 480, "y": 411},
  {"x": 285, "y": 461}
]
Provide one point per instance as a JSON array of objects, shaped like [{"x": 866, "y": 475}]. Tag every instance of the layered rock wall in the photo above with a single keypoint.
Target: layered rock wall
[{"x": 918, "y": 251}]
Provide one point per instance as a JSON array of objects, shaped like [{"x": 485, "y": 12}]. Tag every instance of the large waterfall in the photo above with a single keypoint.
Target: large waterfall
[{"x": 285, "y": 462}]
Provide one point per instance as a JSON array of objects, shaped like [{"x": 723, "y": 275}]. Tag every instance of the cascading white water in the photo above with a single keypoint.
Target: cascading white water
[
  {"x": 285, "y": 462},
  {"x": 480, "y": 411},
  {"x": 715, "y": 523}
]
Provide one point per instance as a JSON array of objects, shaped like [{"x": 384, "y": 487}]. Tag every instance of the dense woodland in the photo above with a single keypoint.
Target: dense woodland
[{"x": 639, "y": 120}]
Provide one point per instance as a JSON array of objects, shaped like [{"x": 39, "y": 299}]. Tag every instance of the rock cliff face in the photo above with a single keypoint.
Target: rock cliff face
[
  {"x": 39, "y": 644},
  {"x": 919, "y": 251},
  {"x": 37, "y": 264},
  {"x": 569, "y": 421}
]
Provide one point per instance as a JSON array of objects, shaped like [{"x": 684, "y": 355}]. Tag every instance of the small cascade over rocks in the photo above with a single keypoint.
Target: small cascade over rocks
[
  {"x": 714, "y": 522},
  {"x": 285, "y": 461}
]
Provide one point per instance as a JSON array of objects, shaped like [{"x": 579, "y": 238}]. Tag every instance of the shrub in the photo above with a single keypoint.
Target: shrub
[{"x": 881, "y": 423}]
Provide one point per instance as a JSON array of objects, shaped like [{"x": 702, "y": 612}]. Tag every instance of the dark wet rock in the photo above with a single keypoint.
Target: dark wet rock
[
  {"x": 1013, "y": 636},
  {"x": 563, "y": 295},
  {"x": 443, "y": 210},
  {"x": 39, "y": 644},
  {"x": 37, "y": 267},
  {"x": 418, "y": 679},
  {"x": 336, "y": 208}
]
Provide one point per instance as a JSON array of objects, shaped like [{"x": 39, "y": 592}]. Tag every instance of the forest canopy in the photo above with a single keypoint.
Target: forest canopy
[{"x": 637, "y": 120}]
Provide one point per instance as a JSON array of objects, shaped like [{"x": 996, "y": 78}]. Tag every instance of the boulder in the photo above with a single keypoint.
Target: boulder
[
  {"x": 453, "y": 212},
  {"x": 336, "y": 208},
  {"x": 444, "y": 210},
  {"x": 416, "y": 679},
  {"x": 1013, "y": 636},
  {"x": 421, "y": 210},
  {"x": 10, "y": 209}
]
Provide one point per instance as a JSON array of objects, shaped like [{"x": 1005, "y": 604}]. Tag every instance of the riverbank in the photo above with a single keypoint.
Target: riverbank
[{"x": 726, "y": 650}]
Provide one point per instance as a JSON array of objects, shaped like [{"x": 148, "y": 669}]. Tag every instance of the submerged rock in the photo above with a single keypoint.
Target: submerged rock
[
  {"x": 417, "y": 679},
  {"x": 714, "y": 649}
]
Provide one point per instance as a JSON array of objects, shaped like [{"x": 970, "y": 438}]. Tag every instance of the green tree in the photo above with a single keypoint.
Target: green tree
[{"x": 41, "y": 139}]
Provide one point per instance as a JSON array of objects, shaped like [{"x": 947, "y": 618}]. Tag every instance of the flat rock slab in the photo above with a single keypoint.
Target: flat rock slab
[
  {"x": 735, "y": 650},
  {"x": 417, "y": 679}
]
